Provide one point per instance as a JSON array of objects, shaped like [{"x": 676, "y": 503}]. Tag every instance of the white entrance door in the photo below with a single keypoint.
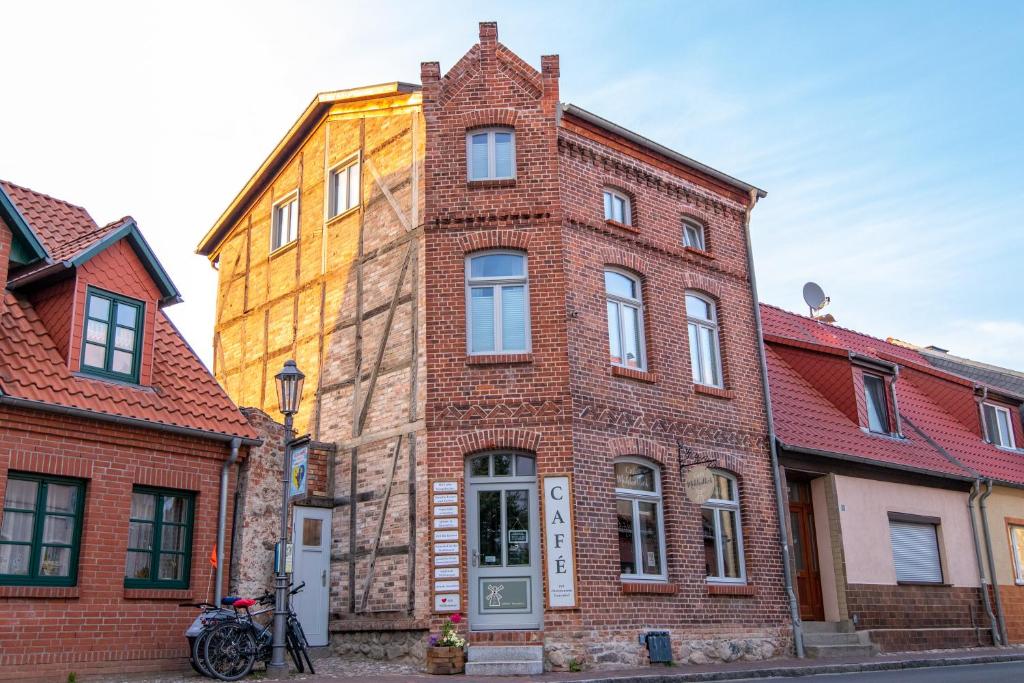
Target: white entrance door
[
  {"x": 312, "y": 564},
  {"x": 504, "y": 542}
]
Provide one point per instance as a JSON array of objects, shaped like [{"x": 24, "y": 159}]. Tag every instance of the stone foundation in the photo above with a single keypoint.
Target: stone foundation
[{"x": 393, "y": 646}]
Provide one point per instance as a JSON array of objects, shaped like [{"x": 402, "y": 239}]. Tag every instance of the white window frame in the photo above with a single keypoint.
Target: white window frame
[
  {"x": 713, "y": 326},
  {"x": 887, "y": 428},
  {"x": 498, "y": 284},
  {"x": 1018, "y": 554},
  {"x": 636, "y": 496},
  {"x": 334, "y": 209},
  {"x": 275, "y": 227},
  {"x": 1011, "y": 442},
  {"x": 638, "y": 304},
  {"x": 717, "y": 505},
  {"x": 699, "y": 229},
  {"x": 627, "y": 205},
  {"x": 491, "y": 171}
]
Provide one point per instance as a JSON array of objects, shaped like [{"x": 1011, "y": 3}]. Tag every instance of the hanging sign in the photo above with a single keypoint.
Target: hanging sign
[
  {"x": 699, "y": 484},
  {"x": 299, "y": 470},
  {"x": 558, "y": 540}
]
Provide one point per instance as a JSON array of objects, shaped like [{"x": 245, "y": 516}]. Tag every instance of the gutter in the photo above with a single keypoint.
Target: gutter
[
  {"x": 787, "y": 570},
  {"x": 222, "y": 517},
  {"x": 997, "y": 638},
  {"x": 991, "y": 560}
]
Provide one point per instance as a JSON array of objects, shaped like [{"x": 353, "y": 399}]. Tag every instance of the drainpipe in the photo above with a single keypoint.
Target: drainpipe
[
  {"x": 787, "y": 573},
  {"x": 991, "y": 560},
  {"x": 222, "y": 517},
  {"x": 997, "y": 638}
]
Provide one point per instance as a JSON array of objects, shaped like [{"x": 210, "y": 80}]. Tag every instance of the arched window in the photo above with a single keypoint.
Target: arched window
[
  {"x": 702, "y": 324},
  {"x": 491, "y": 154},
  {"x": 617, "y": 207},
  {"x": 497, "y": 303},
  {"x": 625, "y": 320},
  {"x": 723, "y": 540},
  {"x": 640, "y": 521},
  {"x": 693, "y": 234}
]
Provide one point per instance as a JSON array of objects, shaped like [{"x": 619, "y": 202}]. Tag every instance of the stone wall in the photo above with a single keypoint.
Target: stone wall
[{"x": 392, "y": 646}]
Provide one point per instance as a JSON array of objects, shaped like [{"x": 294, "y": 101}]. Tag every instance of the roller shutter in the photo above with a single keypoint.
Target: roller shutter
[{"x": 915, "y": 551}]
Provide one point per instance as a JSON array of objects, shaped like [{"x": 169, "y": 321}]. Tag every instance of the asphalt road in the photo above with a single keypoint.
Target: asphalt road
[{"x": 1011, "y": 672}]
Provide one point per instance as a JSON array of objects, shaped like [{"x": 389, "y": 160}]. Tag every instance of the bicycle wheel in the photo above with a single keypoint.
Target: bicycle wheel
[
  {"x": 300, "y": 638},
  {"x": 192, "y": 659},
  {"x": 230, "y": 651},
  {"x": 197, "y": 655},
  {"x": 293, "y": 651}
]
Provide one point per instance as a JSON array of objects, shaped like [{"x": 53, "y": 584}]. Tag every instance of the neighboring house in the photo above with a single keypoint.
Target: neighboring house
[
  {"x": 112, "y": 441},
  {"x": 497, "y": 298},
  {"x": 882, "y": 455}
]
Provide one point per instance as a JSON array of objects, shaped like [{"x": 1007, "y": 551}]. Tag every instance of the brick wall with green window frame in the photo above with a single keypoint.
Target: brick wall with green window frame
[
  {"x": 159, "y": 539},
  {"x": 41, "y": 530},
  {"x": 112, "y": 337}
]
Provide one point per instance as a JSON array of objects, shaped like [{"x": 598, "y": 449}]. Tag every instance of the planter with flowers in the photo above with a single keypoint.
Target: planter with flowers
[{"x": 447, "y": 653}]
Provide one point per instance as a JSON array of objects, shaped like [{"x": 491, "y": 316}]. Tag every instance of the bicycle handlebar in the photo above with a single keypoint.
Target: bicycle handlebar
[{"x": 297, "y": 589}]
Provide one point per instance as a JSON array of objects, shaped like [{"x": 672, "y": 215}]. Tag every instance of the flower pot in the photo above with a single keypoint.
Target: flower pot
[{"x": 446, "y": 660}]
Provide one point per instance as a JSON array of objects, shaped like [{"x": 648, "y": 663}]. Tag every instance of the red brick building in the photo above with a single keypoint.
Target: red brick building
[{"x": 113, "y": 437}]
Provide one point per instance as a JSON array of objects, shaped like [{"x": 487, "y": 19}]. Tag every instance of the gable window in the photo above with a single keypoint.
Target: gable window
[
  {"x": 159, "y": 539},
  {"x": 625, "y": 320},
  {"x": 1017, "y": 545},
  {"x": 723, "y": 541},
  {"x": 640, "y": 521},
  {"x": 702, "y": 325},
  {"x": 497, "y": 303},
  {"x": 285, "y": 222},
  {"x": 113, "y": 335},
  {"x": 41, "y": 530},
  {"x": 491, "y": 154},
  {"x": 343, "y": 190},
  {"x": 877, "y": 405},
  {"x": 616, "y": 207},
  {"x": 998, "y": 426},
  {"x": 693, "y": 234},
  {"x": 915, "y": 551}
]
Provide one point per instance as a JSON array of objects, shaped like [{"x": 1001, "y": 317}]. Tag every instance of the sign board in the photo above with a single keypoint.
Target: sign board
[
  {"x": 446, "y": 586},
  {"x": 445, "y": 498},
  {"x": 299, "y": 470},
  {"x": 446, "y": 573},
  {"x": 446, "y": 523},
  {"x": 699, "y": 484},
  {"x": 452, "y": 535},
  {"x": 447, "y": 546},
  {"x": 447, "y": 602},
  {"x": 446, "y": 487},
  {"x": 559, "y": 542}
]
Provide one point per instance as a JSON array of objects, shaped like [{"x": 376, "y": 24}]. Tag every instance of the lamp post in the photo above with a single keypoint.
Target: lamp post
[{"x": 289, "y": 392}]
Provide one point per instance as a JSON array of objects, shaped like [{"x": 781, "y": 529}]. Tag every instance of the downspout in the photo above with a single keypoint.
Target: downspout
[
  {"x": 997, "y": 638},
  {"x": 787, "y": 573},
  {"x": 222, "y": 517},
  {"x": 991, "y": 560}
]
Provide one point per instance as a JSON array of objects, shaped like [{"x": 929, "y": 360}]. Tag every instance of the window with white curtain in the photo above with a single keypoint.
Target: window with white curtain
[
  {"x": 702, "y": 325},
  {"x": 723, "y": 539},
  {"x": 491, "y": 154},
  {"x": 640, "y": 520},
  {"x": 625, "y": 320},
  {"x": 497, "y": 303},
  {"x": 693, "y": 234},
  {"x": 616, "y": 207},
  {"x": 998, "y": 426}
]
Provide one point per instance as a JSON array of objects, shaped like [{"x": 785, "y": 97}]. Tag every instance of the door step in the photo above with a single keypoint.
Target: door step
[
  {"x": 824, "y": 640},
  {"x": 505, "y": 660}
]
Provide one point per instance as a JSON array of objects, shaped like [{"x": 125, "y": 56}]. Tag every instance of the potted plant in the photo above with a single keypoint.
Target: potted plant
[{"x": 447, "y": 654}]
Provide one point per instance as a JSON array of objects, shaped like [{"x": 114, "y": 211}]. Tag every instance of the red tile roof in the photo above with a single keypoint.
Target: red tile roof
[
  {"x": 54, "y": 221},
  {"x": 804, "y": 418}
]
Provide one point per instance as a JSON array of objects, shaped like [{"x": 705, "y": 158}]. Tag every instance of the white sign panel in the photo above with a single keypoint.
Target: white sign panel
[
  {"x": 446, "y": 573},
  {"x": 446, "y": 523},
  {"x": 442, "y": 548},
  {"x": 446, "y": 487},
  {"x": 445, "y": 498},
  {"x": 443, "y": 586},
  {"x": 447, "y": 602},
  {"x": 446, "y": 535},
  {"x": 446, "y": 510},
  {"x": 558, "y": 537},
  {"x": 446, "y": 560}
]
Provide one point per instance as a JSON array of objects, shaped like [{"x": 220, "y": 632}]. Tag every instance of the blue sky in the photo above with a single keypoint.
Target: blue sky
[{"x": 888, "y": 135}]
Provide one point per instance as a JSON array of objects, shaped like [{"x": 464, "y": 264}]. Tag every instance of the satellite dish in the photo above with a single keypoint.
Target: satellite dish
[{"x": 814, "y": 297}]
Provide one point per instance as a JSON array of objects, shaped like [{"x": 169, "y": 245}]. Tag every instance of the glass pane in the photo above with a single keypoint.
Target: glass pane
[
  {"x": 173, "y": 537},
  {"x": 312, "y": 532},
  {"x": 709, "y": 355},
  {"x": 497, "y": 265},
  {"x": 481, "y": 313},
  {"x": 58, "y": 529},
  {"x": 1017, "y": 536},
  {"x": 174, "y": 509},
  {"x": 143, "y": 506},
  {"x": 632, "y": 475},
  {"x": 619, "y": 285},
  {"x": 798, "y": 548},
  {"x": 337, "y": 190},
  {"x": 172, "y": 567},
  {"x": 123, "y": 362},
  {"x": 490, "y": 528},
  {"x": 137, "y": 566},
  {"x": 513, "y": 318},
  {"x": 1003, "y": 418},
  {"x": 126, "y": 315},
  {"x": 478, "y": 467},
  {"x": 991, "y": 424},
  {"x": 698, "y": 375},
  {"x": 124, "y": 338},
  {"x": 96, "y": 331},
  {"x": 17, "y": 526},
  {"x": 95, "y": 356},
  {"x": 707, "y": 520},
  {"x": 502, "y": 465},
  {"x": 723, "y": 488},
  {"x": 608, "y": 205},
  {"x": 650, "y": 548},
  {"x": 140, "y": 535},
  {"x": 614, "y": 340},
  {"x": 21, "y": 494},
  {"x": 55, "y": 562},
  {"x": 698, "y": 308},
  {"x": 61, "y": 498},
  {"x": 99, "y": 308},
  {"x": 874, "y": 393},
  {"x": 619, "y": 209},
  {"x": 525, "y": 466},
  {"x": 503, "y": 155},
  {"x": 14, "y": 559},
  {"x": 517, "y": 524},
  {"x": 478, "y": 156},
  {"x": 631, "y": 330},
  {"x": 730, "y": 543},
  {"x": 627, "y": 549},
  {"x": 693, "y": 236},
  {"x": 353, "y": 186}
]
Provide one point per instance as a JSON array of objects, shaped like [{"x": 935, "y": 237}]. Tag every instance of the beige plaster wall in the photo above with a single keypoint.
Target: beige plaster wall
[{"x": 1004, "y": 504}]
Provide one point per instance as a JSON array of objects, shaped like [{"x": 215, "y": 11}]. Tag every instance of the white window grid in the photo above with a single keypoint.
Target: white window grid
[
  {"x": 717, "y": 505},
  {"x": 636, "y": 304},
  {"x": 1005, "y": 434},
  {"x": 498, "y": 283},
  {"x": 693, "y": 234},
  {"x": 703, "y": 375},
  {"x": 612, "y": 197},
  {"x": 636, "y": 497},
  {"x": 344, "y": 199},
  {"x": 284, "y": 228},
  {"x": 492, "y": 173}
]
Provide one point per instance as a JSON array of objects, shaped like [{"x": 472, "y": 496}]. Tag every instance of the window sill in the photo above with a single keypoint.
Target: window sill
[
  {"x": 703, "y": 253},
  {"x": 158, "y": 594},
  {"x": 490, "y": 184},
  {"x": 622, "y": 226},
  {"x": 344, "y": 214},
  {"x": 933, "y": 584},
  {"x": 743, "y": 590},
  {"x": 283, "y": 248},
  {"x": 633, "y": 373},
  {"x": 717, "y": 392},
  {"x": 38, "y": 591},
  {"x": 499, "y": 358},
  {"x": 649, "y": 587}
]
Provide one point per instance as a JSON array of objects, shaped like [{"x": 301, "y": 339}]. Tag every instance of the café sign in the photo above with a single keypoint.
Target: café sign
[
  {"x": 559, "y": 542},
  {"x": 699, "y": 484}
]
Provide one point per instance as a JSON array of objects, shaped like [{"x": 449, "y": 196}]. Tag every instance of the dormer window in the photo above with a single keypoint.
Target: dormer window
[
  {"x": 877, "y": 405},
  {"x": 112, "y": 336},
  {"x": 491, "y": 154},
  {"x": 998, "y": 426},
  {"x": 616, "y": 207}
]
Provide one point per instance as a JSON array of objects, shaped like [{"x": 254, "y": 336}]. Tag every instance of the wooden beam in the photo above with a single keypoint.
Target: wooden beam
[{"x": 380, "y": 525}]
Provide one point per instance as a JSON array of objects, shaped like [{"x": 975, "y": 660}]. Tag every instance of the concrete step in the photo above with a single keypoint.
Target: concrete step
[
  {"x": 845, "y": 626},
  {"x": 833, "y": 639},
  {"x": 506, "y": 653},
  {"x": 516, "y": 668},
  {"x": 829, "y": 651}
]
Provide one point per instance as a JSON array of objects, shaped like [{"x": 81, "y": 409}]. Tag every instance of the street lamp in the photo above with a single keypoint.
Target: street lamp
[{"x": 289, "y": 393}]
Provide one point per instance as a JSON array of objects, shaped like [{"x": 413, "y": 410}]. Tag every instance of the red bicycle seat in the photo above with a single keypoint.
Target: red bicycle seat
[{"x": 247, "y": 602}]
